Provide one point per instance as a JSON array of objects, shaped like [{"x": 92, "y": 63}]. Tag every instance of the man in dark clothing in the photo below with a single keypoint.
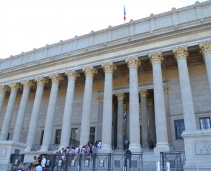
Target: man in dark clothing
[
  {"x": 128, "y": 155},
  {"x": 151, "y": 144}
]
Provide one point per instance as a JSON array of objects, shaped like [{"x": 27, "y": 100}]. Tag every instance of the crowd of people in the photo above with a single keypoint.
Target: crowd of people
[{"x": 70, "y": 155}]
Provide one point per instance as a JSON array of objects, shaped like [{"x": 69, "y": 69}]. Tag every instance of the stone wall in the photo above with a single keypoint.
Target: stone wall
[{"x": 201, "y": 98}]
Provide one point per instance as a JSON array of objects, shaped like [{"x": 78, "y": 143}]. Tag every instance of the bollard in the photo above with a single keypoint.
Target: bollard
[
  {"x": 157, "y": 166},
  {"x": 168, "y": 166}
]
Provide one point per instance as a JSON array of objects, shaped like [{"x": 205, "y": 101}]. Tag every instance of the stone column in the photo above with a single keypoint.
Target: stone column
[
  {"x": 144, "y": 119},
  {"x": 86, "y": 111},
  {"x": 22, "y": 110},
  {"x": 108, "y": 67},
  {"x": 120, "y": 139},
  {"x": 100, "y": 117},
  {"x": 55, "y": 78},
  {"x": 206, "y": 51},
  {"x": 35, "y": 112},
  {"x": 3, "y": 90},
  {"x": 160, "y": 110},
  {"x": 166, "y": 96},
  {"x": 181, "y": 54},
  {"x": 67, "y": 117},
  {"x": 151, "y": 119},
  {"x": 134, "y": 120},
  {"x": 8, "y": 115}
]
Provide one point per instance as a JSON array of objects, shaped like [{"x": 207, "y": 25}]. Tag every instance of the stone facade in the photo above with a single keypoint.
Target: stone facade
[{"x": 158, "y": 67}]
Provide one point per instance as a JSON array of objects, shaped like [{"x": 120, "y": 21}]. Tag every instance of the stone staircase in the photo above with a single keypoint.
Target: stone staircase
[{"x": 149, "y": 160}]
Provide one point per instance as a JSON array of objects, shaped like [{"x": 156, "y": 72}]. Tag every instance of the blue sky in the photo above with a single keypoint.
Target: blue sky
[{"x": 28, "y": 24}]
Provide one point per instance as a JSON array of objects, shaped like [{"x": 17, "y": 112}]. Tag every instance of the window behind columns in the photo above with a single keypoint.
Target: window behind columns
[
  {"x": 205, "y": 123},
  {"x": 58, "y": 136},
  {"x": 41, "y": 137},
  {"x": 92, "y": 134},
  {"x": 74, "y": 137},
  {"x": 179, "y": 128}
]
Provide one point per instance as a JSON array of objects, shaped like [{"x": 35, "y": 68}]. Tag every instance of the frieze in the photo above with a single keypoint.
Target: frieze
[{"x": 128, "y": 45}]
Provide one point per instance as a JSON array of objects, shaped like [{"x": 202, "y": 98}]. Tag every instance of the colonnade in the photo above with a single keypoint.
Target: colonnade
[{"x": 156, "y": 58}]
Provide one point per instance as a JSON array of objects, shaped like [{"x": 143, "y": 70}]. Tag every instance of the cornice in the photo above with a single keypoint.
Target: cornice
[{"x": 135, "y": 41}]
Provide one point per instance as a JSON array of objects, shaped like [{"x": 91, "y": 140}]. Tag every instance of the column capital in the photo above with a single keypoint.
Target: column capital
[
  {"x": 90, "y": 71},
  {"x": 56, "y": 78},
  {"x": 109, "y": 67},
  {"x": 143, "y": 93},
  {"x": 41, "y": 81},
  {"x": 3, "y": 89},
  {"x": 150, "y": 102},
  {"x": 180, "y": 52},
  {"x": 72, "y": 74},
  {"x": 120, "y": 96},
  {"x": 166, "y": 89},
  {"x": 27, "y": 83},
  {"x": 133, "y": 62},
  {"x": 156, "y": 57},
  {"x": 205, "y": 47},
  {"x": 100, "y": 98},
  {"x": 15, "y": 86}
]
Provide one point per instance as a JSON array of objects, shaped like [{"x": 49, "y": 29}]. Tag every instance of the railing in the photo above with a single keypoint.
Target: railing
[
  {"x": 35, "y": 147},
  {"x": 53, "y": 147},
  {"x": 15, "y": 160},
  {"x": 94, "y": 162},
  {"x": 176, "y": 160}
]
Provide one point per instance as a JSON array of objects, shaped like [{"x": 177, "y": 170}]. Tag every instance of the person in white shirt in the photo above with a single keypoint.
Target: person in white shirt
[
  {"x": 38, "y": 168},
  {"x": 43, "y": 162}
]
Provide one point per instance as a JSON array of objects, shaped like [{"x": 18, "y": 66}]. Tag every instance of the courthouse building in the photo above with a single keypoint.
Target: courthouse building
[{"x": 145, "y": 79}]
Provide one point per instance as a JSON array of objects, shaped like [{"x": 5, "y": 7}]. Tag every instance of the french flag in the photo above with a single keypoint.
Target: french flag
[{"x": 124, "y": 14}]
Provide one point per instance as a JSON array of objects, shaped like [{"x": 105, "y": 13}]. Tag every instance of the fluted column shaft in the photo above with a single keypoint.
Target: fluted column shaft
[
  {"x": 166, "y": 96},
  {"x": 120, "y": 140},
  {"x": 107, "y": 107},
  {"x": 160, "y": 110},
  {"x": 22, "y": 110},
  {"x": 144, "y": 119},
  {"x": 66, "y": 124},
  {"x": 100, "y": 117},
  {"x": 151, "y": 119},
  {"x": 3, "y": 90},
  {"x": 56, "y": 78},
  {"x": 134, "y": 119},
  {"x": 206, "y": 51},
  {"x": 86, "y": 111},
  {"x": 181, "y": 54},
  {"x": 8, "y": 115},
  {"x": 35, "y": 112}
]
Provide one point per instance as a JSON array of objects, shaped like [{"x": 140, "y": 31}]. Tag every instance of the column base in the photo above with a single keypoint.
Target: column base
[
  {"x": 135, "y": 148},
  {"x": 27, "y": 149},
  {"x": 197, "y": 148},
  {"x": 105, "y": 149},
  {"x": 161, "y": 147},
  {"x": 44, "y": 149},
  {"x": 7, "y": 148}
]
